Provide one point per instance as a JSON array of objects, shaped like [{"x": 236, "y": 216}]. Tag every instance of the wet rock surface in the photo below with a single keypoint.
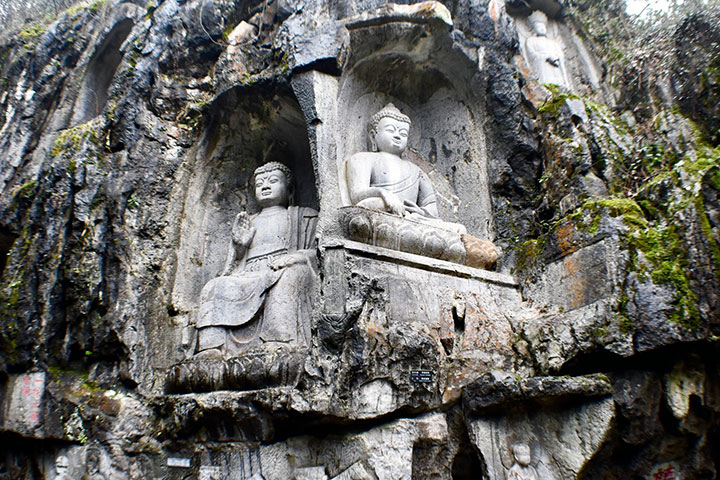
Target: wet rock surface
[{"x": 129, "y": 133}]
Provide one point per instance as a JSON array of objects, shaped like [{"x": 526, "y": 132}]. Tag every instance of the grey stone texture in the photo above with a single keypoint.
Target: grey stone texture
[{"x": 129, "y": 133}]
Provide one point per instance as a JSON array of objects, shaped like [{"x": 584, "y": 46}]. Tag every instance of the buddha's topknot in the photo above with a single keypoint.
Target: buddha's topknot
[{"x": 390, "y": 111}]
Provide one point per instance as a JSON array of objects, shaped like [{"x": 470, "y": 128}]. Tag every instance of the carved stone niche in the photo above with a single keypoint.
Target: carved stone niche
[
  {"x": 538, "y": 428},
  {"x": 396, "y": 277},
  {"x": 405, "y": 55},
  {"x": 246, "y": 130},
  {"x": 103, "y": 63}
]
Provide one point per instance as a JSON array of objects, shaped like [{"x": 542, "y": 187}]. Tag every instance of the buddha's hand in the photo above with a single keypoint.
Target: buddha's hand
[
  {"x": 288, "y": 260},
  {"x": 393, "y": 203},
  {"x": 411, "y": 207},
  {"x": 243, "y": 231}
]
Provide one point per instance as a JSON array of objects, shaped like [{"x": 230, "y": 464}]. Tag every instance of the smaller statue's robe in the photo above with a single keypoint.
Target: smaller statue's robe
[{"x": 546, "y": 60}]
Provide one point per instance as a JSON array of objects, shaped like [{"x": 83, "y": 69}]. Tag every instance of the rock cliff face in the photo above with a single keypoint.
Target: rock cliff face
[{"x": 129, "y": 133}]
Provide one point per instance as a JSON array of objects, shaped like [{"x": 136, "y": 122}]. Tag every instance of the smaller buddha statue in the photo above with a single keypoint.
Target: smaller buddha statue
[
  {"x": 62, "y": 468},
  {"x": 263, "y": 294},
  {"x": 521, "y": 470},
  {"x": 92, "y": 462},
  {"x": 545, "y": 55}
]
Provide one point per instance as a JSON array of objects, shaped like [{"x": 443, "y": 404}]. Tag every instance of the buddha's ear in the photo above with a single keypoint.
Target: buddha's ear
[
  {"x": 291, "y": 194},
  {"x": 373, "y": 143}
]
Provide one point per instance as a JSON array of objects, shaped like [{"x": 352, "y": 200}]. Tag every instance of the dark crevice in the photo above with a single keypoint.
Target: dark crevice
[
  {"x": 100, "y": 71},
  {"x": 7, "y": 240}
]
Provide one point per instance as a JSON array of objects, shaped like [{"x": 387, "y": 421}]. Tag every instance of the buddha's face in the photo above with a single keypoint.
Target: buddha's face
[
  {"x": 272, "y": 189},
  {"x": 62, "y": 465},
  {"x": 391, "y": 135},
  {"x": 540, "y": 28},
  {"x": 522, "y": 454}
]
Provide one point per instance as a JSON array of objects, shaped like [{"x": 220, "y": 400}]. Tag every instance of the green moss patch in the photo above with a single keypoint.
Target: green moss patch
[{"x": 552, "y": 106}]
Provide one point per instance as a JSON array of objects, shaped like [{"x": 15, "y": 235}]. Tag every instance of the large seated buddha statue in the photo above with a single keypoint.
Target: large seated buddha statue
[{"x": 383, "y": 182}]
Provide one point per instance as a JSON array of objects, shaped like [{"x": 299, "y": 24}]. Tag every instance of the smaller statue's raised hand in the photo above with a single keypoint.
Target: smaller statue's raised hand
[{"x": 242, "y": 231}]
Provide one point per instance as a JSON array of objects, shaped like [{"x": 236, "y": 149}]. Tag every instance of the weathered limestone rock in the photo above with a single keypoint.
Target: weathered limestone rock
[
  {"x": 129, "y": 134},
  {"x": 22, "y": 406},
  {"x": 637, "y": 395}
]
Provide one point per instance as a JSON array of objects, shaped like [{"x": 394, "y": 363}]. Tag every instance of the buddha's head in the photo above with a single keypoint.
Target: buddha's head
[
  {"x": 521, "y": 452},
  {"x": 62, "y": 465},
  {"x": 538, "y": 21},
  {"x": 273, "y": 185},
  {"x": 389, "y": 129}
]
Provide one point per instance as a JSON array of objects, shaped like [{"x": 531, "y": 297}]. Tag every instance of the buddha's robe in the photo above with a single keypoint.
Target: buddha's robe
[
  {"x": 404, "y": 179},
  {"x": 413, "y": 187},
  {"x": 391, "y": 173},
  {"x": 546, "y": 60}
]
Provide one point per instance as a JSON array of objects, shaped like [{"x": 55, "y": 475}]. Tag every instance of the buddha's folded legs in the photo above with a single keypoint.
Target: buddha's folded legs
[
  {"x": 286, "y": 314},
  {"x": 211, "y": 337}
]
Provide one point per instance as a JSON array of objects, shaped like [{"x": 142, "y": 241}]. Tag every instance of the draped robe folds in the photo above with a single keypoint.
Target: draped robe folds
[
  {"x": 410, "y": 189},
  {"x": 541, "y": 51},
  {"x": 256, "y": 304},
  {"x": 398, "y": 176}
]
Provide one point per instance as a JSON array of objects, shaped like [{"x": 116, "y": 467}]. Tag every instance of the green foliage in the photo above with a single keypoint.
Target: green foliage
[
  {"x": 31, "y": 32},
  {"x": 151, "y": 6},
  {"x": 71, "y": 140},
  {"x": 133, "y": 202},
  {"x": 666, "y": 263},
  {"x": 529, "y": 252},
  {"x": 92, "y": 7},
  {"x": 30, "y": 36},
  {"x": 80, "y": 145},
  {"x": 26, "y": 191}
]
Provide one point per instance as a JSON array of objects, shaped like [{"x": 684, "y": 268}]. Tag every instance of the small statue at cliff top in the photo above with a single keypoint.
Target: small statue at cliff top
[
  {"x": 545, "y": 55},
  {"x": 263, "y": 295},
  {"x": 62, "y": 468}
]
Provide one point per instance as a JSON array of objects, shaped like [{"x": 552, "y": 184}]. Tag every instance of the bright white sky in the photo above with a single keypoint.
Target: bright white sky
[{"x": 634, "y": 7}]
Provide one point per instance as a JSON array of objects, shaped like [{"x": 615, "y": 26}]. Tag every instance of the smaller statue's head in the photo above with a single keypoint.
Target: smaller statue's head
[
  {"x": 521, "y": 453},
  {"x": 273, "y": 185},
  {"x": 538, "y": 21},
  {"x": 92, "y": 460},
  {"x": 389, "y": 129},
  {"x": 62, "y": 465}
]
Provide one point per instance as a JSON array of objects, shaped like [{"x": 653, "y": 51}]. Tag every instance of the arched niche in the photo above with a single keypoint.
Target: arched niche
[
  {"x": 101, "y": 68},
  {"x": 420, "y": 70},
  {"x": 247, "y": 129}
]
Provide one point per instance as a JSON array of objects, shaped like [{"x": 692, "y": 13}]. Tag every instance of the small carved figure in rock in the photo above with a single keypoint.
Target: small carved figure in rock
[
  {"x": 521, "y": 470},
  {"x": 62, "y": 468},
  {"x": 92, "y": 463},
  {"x": 263, "y": 294},
  {"x": 545, "y": 55},
  {"x": 382, "y": 180}
]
